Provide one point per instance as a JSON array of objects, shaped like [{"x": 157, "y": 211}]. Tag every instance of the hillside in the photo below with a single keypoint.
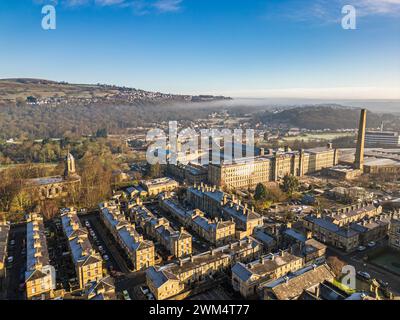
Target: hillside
[
  {"x": 323, "y": 117},
  {"x": 45, "y": 92}
]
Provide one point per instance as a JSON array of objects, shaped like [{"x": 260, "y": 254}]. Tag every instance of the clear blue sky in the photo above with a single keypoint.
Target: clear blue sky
[{"x": 249, "y": 48}]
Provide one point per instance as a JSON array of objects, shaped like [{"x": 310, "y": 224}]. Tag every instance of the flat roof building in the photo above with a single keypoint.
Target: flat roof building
[
  {"x": 156, "y": 186},
  {"x": 382, "y": 138},
  {"x": 248, "y": 172}
]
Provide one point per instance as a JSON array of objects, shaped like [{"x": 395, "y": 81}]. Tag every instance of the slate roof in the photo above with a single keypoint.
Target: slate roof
[
  {"x": 35, "y": 233},
  {"x": 124, "y": 230},
  {"x": 4, "y": 232},
  {"x": 82, "y": 251},
  {"x": 330, "y": 226},
  {"x": 160, "y": 275},
  {"x": 292, "y": 286},
  {"x": 266, "y": 265}
]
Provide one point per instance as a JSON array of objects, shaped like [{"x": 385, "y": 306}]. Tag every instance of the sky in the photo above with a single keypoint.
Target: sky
[{"x": 239, "y": 48}]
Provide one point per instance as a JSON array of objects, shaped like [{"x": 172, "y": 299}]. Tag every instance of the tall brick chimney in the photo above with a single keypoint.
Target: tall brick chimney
[{"x": 359, "y": 159}]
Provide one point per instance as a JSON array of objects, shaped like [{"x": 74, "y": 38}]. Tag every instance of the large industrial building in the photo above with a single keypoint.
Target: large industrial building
[
  {"x": 248, "y": 172},
  {"x": 382, "y": 138}
]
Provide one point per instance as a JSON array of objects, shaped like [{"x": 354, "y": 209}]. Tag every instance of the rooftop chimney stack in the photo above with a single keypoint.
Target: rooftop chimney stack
[{"x": 359, "y": 159}]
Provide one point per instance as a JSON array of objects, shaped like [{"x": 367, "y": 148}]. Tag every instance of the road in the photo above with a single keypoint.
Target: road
[
  {"x": 356, "y": 259},
  {"x": 125, "y": 279},
  {"x": 104, "y": 237},
  {"x": 16, "y": 274}
]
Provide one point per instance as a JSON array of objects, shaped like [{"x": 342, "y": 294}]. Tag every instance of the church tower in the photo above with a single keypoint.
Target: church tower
[{"x": 70, "y": 168}]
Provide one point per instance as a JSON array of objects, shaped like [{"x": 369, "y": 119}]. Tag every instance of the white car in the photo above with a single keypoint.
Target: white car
[
  {"x": 126, "y": 295},
  {"x": 12, "y": 242},
  {"x": 87, "y": 224},
  {"x": 361, "y": 248},
  {"x": 106, "y": 258},
  {"x": 364, "y": 275},
  {"x": 10, "y": 259},
  {"x": 371, "y": 244}
]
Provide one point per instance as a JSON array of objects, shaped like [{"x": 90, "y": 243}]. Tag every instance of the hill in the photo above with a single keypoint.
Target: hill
[
  {"x": 46, "y": 92},
  {"x": 323, "y": 117}
]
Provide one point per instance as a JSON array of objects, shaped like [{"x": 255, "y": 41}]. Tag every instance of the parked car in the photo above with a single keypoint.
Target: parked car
[
  {"x": 106, "y": 258},
  {"x": 87, "y": 224},
  {"x": 126, "y": 295},
  {"x": 371, "y": 244},
  {"x": 364, "y": 275},
  {"x": 12, "y": 242},
  {"x": 361, "y": 248}
]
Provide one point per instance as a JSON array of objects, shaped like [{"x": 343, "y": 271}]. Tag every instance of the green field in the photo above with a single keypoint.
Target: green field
[
  {"x": 388, "y": 259},
  {"x": 319, "y": 136},
  {"x": 45, "y": 165}
]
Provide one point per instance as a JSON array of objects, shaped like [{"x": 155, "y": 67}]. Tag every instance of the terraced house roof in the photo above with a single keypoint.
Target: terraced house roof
[
  {"x": 81, "y": 249},
  {"x": 125, "y": 231},
  {"x": 265, "y": 266},
  {"x": 4, "y": 231},
  {"x": 37, "y": 255}
]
